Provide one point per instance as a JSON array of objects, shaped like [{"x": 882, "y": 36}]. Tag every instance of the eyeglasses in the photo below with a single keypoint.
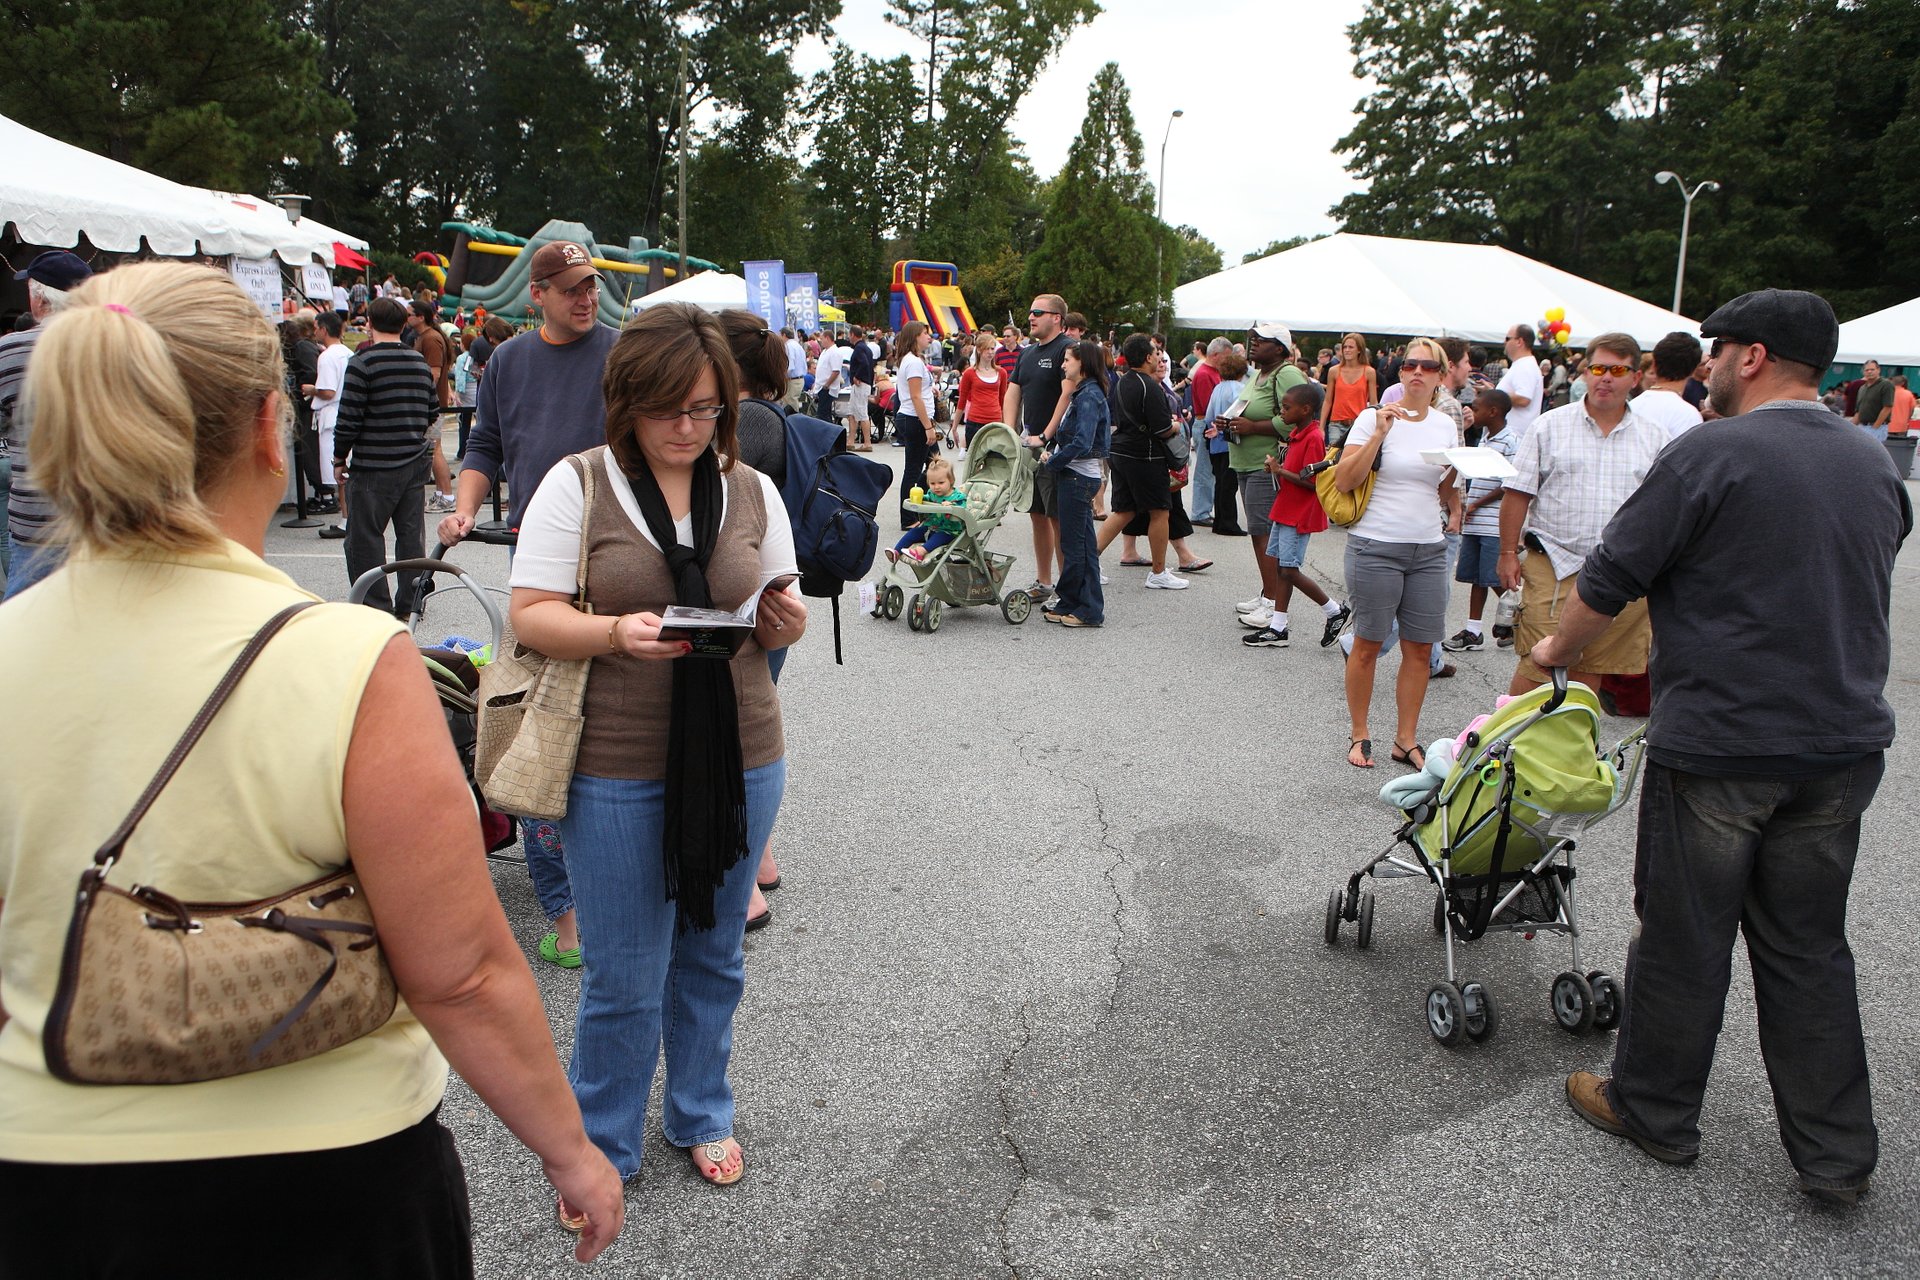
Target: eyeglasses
[
  {"x": 1610, "y": 370},
  {"x": 1422, "y": 366},
  {"x": 1720, "y": 343},
  {"x": 585, "y": 289},
  {"x": 1044, "y": 313},
  {"x": 698, "y": 413}
]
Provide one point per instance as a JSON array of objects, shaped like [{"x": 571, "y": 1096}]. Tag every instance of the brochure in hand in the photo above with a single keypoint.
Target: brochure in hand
[
  {"x": 718, "y": 633},
  {"x": 1476, "y": 463}
]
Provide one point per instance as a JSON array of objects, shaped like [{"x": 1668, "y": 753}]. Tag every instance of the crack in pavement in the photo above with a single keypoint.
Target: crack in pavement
[
  {"x": 1013, "y": 1145},
  {"x": 1109, "y": 874}
]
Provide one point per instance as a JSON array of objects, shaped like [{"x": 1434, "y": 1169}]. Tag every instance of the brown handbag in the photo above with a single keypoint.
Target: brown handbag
[{"x": 154, "y": 990}]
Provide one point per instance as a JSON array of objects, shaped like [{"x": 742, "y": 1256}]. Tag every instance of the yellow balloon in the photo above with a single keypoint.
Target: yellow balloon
[{"x": 1557, "y": 314}]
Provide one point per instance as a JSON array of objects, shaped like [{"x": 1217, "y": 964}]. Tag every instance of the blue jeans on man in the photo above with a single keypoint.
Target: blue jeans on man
[
  {"x": 1771, "y": 859},
  {"x": 1200, "y": 473}
]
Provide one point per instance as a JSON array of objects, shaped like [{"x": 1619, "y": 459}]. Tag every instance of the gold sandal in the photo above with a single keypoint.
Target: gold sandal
[{"x": 715, "y": 1154}]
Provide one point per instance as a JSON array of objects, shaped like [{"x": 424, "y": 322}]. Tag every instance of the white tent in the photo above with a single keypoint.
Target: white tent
[
  {"x": 1374, "y": 285},
  {"x": 713, "y": 290},
  {"x": 1891, "y": 336},
  {"x": 53, "y": 193}
]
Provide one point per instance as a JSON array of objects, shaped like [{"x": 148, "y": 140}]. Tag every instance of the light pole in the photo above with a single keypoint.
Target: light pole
[
  {"x": 1160, "y": 204},
  {"x": 1686, "y": 224}
]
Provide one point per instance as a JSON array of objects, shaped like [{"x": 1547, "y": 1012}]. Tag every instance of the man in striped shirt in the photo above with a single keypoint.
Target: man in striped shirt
[
  {"x": 380, "y": 449},
  {"x": 28, "y": 514}
]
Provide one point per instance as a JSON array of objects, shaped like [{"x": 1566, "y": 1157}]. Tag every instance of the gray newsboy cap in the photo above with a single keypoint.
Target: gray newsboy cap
[{"x": 1790, "y": 323}]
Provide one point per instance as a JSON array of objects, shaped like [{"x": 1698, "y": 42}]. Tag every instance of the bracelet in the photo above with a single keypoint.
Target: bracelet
[{"x": 615, "y": 626}]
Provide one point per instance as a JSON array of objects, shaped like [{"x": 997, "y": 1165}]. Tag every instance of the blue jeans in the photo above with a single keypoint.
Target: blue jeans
[
  {"x": 1079, "y": 589},
  {"x": 645, "y": 984},
  {"x": 546, "y": 866},
  {"x": 1200, "y": 473},
  {"x": 28, "y": 564},
  {"x": 1771, "y": 859},
  {"x": 1878, "y": 433}
]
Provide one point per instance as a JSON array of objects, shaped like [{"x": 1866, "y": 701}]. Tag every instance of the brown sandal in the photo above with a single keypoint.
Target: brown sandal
[{"x": 715, "y": 1154}]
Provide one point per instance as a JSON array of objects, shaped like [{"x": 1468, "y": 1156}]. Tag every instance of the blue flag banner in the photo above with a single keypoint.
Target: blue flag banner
[
  {"x": 767, "y": 291},
  {"x": 803, "y": 302}
]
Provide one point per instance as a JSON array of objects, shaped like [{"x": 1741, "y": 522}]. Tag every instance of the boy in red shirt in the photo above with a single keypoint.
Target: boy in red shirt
[{"x": 1297, "y": 515}]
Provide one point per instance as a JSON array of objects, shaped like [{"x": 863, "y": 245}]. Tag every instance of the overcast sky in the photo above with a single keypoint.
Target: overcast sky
[{"x": 1267, "y": 89}]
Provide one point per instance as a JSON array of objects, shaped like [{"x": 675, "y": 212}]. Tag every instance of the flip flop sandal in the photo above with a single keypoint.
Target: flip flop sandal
[
  {"x": 768, "y": 886},
  {"x": 1198, "y": 566},
  {"x": 715, "y": 1154},
  {"x": 569, "y": 1220},
  {"x": 1366, "y": 752},
  {"x": 1136, "y": 564},
  {"x": 760, "y": 921},
  {"x": 1405, "y": 756}
]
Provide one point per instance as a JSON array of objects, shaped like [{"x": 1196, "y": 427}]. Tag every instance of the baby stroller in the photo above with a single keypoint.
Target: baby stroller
[
  {"x": 964, "y": 573},
  {"x": 450, "y": 665},
  {"x": 1494, "y": 831}
]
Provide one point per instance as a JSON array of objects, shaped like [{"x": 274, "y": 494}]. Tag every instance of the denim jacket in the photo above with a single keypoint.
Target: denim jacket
[{"x": 1085, "y": 430}]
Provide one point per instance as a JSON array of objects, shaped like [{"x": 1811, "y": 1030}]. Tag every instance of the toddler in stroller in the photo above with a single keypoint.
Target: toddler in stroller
[
  {"x": 1491, "y": 823},
  {"x": 933, "y": 531}
]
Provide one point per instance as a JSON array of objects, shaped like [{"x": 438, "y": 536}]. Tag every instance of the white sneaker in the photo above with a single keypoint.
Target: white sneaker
[
  {"x": 1255, "y": 619},
  {"x": 1251, "y": 603},
  {"x": 1165, "y": 581},
  {"x": 1105, "y": 580}
]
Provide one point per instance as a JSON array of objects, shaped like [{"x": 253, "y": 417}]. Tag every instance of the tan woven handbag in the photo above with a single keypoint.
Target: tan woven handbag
[
  {"x": 529, "y": 734},
  {"x": 153, "y": 990}
]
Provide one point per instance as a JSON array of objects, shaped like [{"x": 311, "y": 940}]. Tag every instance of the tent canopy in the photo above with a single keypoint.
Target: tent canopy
[
  {"x": 712, "y": 290},
  {"x": 1891, "y": 336},
  {"x": 1376, "y": 285},
  {"x": 53, "y": 193}
]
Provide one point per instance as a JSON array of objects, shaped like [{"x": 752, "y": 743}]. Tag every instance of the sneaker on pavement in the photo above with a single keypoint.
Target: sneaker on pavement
[
  {"x": 1265, "y": 638},
  {"x": 1463, "y": 641},
  {"x": 1503, "y": 636},
  {"x": 1165, "y": 581},
  {"x": 1250, "y": 604},
  {"x": 1335, "y": 625},
  {"x": 1587, "y": 1095},
  {"x": 1257, "y": 618},
  {"x": 1447, "y": 671},
  {"x": 1041, "y": 592},
  {"x": 1104, "y": 580}
]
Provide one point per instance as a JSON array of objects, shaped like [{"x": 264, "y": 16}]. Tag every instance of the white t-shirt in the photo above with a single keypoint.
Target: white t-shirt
[
  {"x": 832, "y": 361},
  {"x": 340, "y": 297},
  {"x": 1405, "y": 506},
  {"x": 1668, "y": 409},
  {"x": 912, "y": 367},
  {"x": 548, "y": 555},
  {"x": 1522, "y": 378},
  {"x": 330, "y": 375}
]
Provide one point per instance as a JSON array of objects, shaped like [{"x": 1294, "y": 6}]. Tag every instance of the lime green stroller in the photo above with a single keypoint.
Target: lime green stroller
[
  {"x": 1496, "y": 837},
  {"x": 996, "y": 475}
]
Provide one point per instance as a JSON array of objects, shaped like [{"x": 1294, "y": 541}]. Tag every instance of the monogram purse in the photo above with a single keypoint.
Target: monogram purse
[{"x": 156, "y": 990}]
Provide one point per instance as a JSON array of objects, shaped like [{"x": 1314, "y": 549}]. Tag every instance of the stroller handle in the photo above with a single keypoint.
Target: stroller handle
[
  {"x": 357, "y": 594},
  {"x": 1559, "y": 675}
]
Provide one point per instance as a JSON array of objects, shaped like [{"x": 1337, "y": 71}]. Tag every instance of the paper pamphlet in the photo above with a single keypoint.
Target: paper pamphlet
[
  {"x": 718, "y": 633},
  {"x": 1477, "y": 463}
]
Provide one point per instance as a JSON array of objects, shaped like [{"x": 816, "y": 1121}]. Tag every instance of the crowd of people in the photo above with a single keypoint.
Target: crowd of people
[{"x": 643, "y": 469}]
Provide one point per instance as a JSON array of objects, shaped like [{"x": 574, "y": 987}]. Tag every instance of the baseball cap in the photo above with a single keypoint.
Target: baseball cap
[
  {"x": 56, "y": 269},
  {"x": 1790, "y": 323},
  {"x": 562, "y": 263},
  {"x": 1273, "y": 331}
]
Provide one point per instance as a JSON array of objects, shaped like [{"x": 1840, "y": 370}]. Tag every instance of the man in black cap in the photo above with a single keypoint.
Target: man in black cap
[
  {"x": 28, "y": 516},
  {"x": 1764, "y": 543}
]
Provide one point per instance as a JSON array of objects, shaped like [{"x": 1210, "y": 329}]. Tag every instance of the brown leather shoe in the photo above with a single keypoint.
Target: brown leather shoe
[{"x": 1587, "y": 1095}]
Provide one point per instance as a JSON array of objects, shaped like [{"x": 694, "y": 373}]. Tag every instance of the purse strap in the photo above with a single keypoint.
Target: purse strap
[
  {"x": 110, "y": 852},
  {"x": 583, "y": 464}
]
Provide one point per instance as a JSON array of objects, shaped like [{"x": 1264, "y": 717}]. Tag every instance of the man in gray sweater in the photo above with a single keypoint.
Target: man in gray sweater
[{"x": 1765, "y": 746}]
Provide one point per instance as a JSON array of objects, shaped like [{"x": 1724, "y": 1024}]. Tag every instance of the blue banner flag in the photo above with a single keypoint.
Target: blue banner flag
[
  {"x": 803, "y": 302},
  {"x": 767, "y": 291}
]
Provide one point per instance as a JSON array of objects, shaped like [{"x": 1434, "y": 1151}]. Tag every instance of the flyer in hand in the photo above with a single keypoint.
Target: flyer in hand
[{"x": 718, "y": 633}]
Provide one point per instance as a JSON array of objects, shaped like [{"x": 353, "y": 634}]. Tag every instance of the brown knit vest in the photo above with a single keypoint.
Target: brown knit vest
[{"x": 630, "y": 699}]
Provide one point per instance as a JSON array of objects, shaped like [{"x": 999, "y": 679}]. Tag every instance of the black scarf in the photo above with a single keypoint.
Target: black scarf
[{"x": 706, "y": 826}]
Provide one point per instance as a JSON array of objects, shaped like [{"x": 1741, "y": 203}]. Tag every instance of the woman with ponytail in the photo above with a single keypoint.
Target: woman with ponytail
[
  {"x": 165, "y": 454},
  {"x": 682, "y": 761}
]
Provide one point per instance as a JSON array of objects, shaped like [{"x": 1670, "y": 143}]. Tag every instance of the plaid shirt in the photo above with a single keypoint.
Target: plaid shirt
[{"x": 1579, "y": 477}]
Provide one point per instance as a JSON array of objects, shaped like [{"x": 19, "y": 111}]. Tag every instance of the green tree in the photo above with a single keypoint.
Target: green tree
[
  {"x": 1193, "y": 256},
  {"x": 1278, "y": 246},
  {"x": 1097, "y": 249},
  {"x": 862, "y": 184},
  {"x": 211, "y": 95}
]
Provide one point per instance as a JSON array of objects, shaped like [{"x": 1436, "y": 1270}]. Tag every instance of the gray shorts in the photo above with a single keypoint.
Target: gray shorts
[
  {"x": 1257, "y": 492},
  {"x": 1044, "y": 502},
  {"x": 1397, "y": 581}
]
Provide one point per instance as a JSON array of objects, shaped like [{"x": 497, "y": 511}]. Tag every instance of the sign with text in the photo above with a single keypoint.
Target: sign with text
[
  {"x": 767, "y": 291},
  {"x": 803, "y": 302},
  {"x": 317, "y": 285},
  {"x": 260, "y": 279}
]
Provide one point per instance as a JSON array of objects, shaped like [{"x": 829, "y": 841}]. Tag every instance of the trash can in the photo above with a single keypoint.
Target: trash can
[{"x": 1901, "y": 448}]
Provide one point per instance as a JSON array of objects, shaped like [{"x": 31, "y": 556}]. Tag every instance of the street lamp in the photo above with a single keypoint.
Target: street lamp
[
  {"x": 291, "y": 204},
  {"x": 1159, "y": 205},
  {"x": 1686, "y": 224}
]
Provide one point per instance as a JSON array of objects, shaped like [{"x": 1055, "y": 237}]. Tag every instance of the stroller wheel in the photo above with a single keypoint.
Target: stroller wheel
[
  {"x": 1482, "y": 1021},
  {"x": 1573, "y": 1003},
  {"x": 1446, "y": 1013},
  {"x": 1016, "y": 607},
  {"x": 1608, "y": 1000},
  {"x": 930, "y": 615},
  {"x": 916, "y": 612},
  {"x": 1363, "y": 936},
  {"x": 893, "y": 601},
  {"x": 1336, "y": 905},
  {"x": 1440, "y": 911}
]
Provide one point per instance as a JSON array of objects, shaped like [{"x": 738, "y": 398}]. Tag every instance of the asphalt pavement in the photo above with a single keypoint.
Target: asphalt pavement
[{"x": 1045, "y": 992}]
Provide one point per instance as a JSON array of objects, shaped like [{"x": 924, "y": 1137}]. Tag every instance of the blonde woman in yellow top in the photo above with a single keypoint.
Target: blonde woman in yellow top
[{"x": 161, "y": 435}]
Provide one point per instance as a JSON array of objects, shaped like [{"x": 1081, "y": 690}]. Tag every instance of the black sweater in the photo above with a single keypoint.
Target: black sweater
[{"x": 1764, "y": 545}]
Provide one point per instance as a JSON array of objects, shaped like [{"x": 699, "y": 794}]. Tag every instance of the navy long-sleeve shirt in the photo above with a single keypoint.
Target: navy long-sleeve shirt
[{"x": 539, "y": 402}]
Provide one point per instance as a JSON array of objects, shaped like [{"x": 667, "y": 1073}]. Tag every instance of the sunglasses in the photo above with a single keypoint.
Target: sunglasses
[
  {"x": 1610, "y": 370},
  {"x": 1423, "y": 366},
  {"x": 1044, "y": 313}
]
